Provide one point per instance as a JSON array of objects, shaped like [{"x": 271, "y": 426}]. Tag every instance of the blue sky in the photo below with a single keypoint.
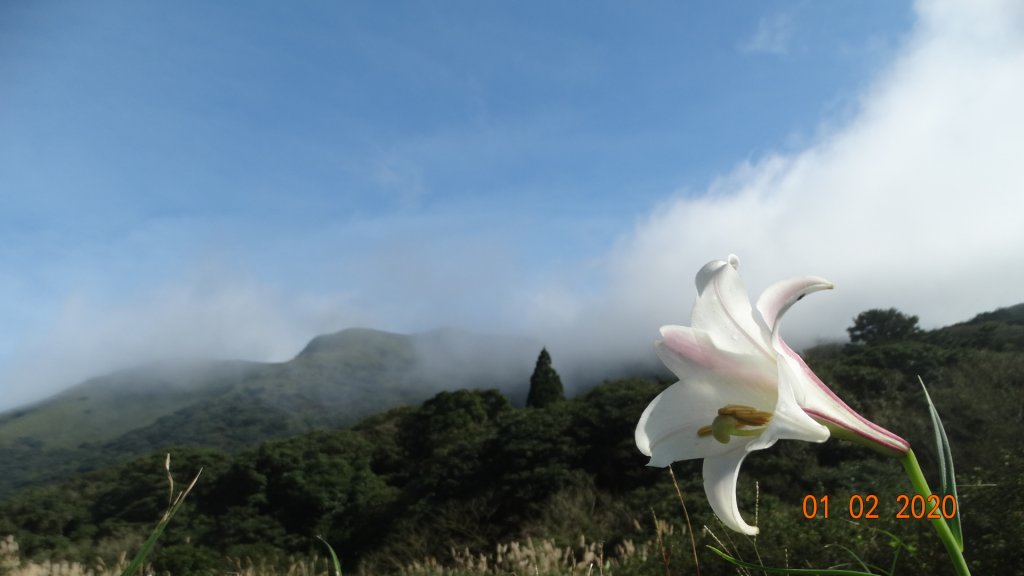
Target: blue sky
[{"x": 228, "y": 180}]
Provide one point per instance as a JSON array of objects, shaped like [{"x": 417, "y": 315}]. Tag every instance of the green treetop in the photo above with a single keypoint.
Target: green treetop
[
  {"x": 545, "y": 385},
  {"x": 877, "y": 326}
]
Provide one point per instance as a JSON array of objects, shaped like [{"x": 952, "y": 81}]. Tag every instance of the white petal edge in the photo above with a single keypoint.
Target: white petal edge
[{"x": 720, "y": 474}]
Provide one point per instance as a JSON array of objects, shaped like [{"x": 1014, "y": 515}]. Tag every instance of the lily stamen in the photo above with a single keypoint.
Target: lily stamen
[
  {"x": 745, "y": 414},
  {"x": 735, "y": 420}
]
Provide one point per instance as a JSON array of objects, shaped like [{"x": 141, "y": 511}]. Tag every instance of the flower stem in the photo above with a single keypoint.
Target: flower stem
[{"x": 941, "y": 527}]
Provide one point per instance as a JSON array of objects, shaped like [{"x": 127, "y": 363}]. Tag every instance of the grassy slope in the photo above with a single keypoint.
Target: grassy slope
[
  {"x": 334, "y": 381},
  {"x": 104, "y": 408}
]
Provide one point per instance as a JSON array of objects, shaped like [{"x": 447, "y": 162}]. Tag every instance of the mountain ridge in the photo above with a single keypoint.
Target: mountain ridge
[{"x": 335, "y": 380}]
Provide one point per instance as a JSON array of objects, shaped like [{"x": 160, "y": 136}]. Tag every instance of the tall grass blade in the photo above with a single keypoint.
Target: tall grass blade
[
  {"x": 173, "y": 506},
  {"x": 947, "y": 485},
  {"x": 686, "y": 515},
  {"x": 334, "y": 557},
  {"x": 853, "y": 555}
]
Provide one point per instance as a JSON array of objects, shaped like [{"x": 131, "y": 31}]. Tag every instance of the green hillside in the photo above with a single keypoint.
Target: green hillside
[
  {"x": 227, "y": 405},
  {"x": 84, "y": 414},
  {"x": 468, "y": 470},
  {"x": 1001, "y": 329}
]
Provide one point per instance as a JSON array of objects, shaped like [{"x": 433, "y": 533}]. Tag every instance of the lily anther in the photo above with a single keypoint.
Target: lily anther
[{"x": 735, "y": 420}]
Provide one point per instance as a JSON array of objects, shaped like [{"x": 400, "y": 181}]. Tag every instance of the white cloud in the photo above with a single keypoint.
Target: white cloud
[
  {"x": 403, "y": 275},
  {"x": 915, "y": 203},
  {"x": 206, "y": 315},
  {"x": 772, "y": 36}
]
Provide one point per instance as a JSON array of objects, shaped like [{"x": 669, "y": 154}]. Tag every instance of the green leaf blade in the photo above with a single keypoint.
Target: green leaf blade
[{"x": 947, "y": 485}]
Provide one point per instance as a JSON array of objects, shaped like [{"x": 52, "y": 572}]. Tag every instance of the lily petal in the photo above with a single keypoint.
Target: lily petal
[
  {"x": 667, "y": 431},
  {"x": 690, "y": 352},
  {"x": 777, "y": 298},
  {"x": 813, "y": 397},
  {"x": 821, "y": 403},
  {"x": 789, "y": 421},
  {"x": 723, "y": 310},
  {"x": 720, "y": 473}
]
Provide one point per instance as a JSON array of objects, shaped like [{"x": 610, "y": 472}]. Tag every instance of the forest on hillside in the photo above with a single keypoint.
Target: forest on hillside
[{"x": 467, "y": 472}]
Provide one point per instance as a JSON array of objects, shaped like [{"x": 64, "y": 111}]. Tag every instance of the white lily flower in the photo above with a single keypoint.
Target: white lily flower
[{"x": 742, "y": 388}]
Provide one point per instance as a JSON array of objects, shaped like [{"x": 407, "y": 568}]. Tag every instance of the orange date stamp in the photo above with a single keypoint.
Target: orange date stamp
[{"x": 865, "y": 506}]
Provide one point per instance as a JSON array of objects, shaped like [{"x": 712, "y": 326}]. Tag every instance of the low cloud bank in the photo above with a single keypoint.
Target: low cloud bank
[{"x": 913, "y": 203}]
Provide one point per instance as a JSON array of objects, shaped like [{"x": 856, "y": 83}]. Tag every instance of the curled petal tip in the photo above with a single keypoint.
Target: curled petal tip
[
  {"x": 777, "y": 298},
  {"x": 823, "y": 284}
]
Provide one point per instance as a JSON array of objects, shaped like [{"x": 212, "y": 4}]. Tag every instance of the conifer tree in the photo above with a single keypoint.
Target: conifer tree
[{"x": 545, "y": 385}]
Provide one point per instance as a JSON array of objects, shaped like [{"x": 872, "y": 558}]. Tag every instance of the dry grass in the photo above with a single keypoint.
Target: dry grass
[
  {"x": 249, "y": 567},
  {"x": 531, "y": 558},
  {"x": 11, "y": 564}
]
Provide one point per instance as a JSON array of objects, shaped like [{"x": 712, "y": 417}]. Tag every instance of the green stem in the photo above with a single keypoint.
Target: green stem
[{"x": 941, "y": 527}]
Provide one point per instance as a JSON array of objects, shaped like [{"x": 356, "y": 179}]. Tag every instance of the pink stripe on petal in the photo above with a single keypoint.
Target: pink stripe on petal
[
  {"x": 881, "y": 435},
  {"x": 686, "y": 351},
  {"x": 683, "y": 341}
]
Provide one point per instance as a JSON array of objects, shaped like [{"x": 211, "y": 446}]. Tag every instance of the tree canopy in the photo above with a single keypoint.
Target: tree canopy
[
  {"x": 877, "y": 326},
  {"x": 545, "y": 384}
]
